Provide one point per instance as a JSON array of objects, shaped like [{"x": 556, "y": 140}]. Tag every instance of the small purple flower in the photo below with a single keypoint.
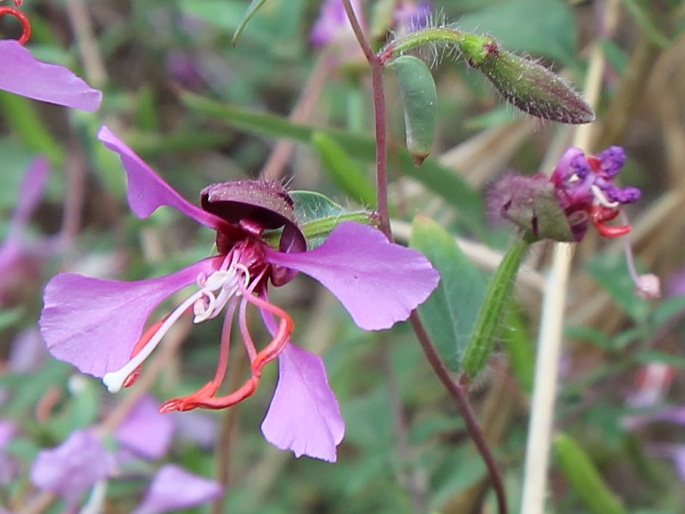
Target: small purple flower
[
  {"x": 586, "y": 190},
  {"x": 19, "y": 258},
  {"x": 73, "y": 467},
  {"x": 145, "y": 431},
  {"x": 332, "y": 24},
  {"x": 173, "y": 488},
  {"x": 98, "y": 325},
  {"x": 411, "y": 15},
  {"x": 24, "y": 75}
]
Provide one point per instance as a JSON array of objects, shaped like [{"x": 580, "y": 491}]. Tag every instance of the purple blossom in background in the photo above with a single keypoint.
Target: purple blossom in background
[
  {"x": 73, "y": 467},
  {"x": 378, "y": 282},
  {"x": 173, "y": 488},
  {"x": 8, "y": 464},
  {"x": 23, "y": 74},
  {"x": 145, "y": 431},
  {"x": 411, "y": 16},
  {"x": 19, "y": 257},
  {"x": 332, "y": 24}
]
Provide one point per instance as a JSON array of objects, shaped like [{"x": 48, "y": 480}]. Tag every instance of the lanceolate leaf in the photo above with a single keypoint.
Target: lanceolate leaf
[
  {"x": 251, "y": 10},
  {"x": 450, "y": 313}
]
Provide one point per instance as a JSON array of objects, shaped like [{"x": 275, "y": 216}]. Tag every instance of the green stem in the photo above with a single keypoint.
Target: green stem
[
  {"x": 474, "y": 47},
  {"x": 491, "y": 313}
]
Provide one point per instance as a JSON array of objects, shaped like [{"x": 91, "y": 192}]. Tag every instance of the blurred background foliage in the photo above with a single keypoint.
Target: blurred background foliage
[{"x": 200, "y": 110}]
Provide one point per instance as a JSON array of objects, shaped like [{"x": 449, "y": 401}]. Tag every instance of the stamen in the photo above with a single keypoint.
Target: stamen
[
  {"x": 23, "y": 19},
  {"x": 131, "y": 379},
  {"x": 209, "y": 389},
  {"x": 114, "y": 380},
  {"x": 647, "y": 286},
  {"x": 602, "y": 199},
  {"x": 205, "y": 400}
]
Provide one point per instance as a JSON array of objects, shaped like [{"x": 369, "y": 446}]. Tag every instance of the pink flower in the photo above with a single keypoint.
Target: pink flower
[
  {"x": 99, "y": 325},
  {"x": 174, "y": 488},
  {"x": 23, "y": 74}
]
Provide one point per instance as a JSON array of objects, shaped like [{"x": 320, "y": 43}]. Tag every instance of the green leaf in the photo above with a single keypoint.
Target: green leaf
[
  {"x": 611, "y": 272},
  {"x": 520, "y": 348},
  {"x": 542, "y": 27},
  {"x": 584, "y": 477},
  {"x": 317, "y": 216},
  {"x": 344, "y": 171},
  {"x": 251, "y": 10},
  {"x": 444, "y": 182},
  {"x": 23, "y": 118},
  {"x": 450, "y": 313}
]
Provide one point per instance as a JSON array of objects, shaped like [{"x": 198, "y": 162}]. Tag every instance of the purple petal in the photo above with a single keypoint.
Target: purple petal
[
  {"x": 147, "y": 191},
  {"x": 27, "y": 352},
  {"x": 378, "y": 282},
  {"x": 304, "y": 415},
  {"x": 73, "y": 467},
  {"x": 8, "y": 430},
  {"x": 145, "y": 431},
  {"x": 94, "y": 324},
  {"x": 24, "y": 75},
  {"x": 30, "y": 192},
  {"x": 196, "y": 428},
  {"x": 174, "y": 488}
]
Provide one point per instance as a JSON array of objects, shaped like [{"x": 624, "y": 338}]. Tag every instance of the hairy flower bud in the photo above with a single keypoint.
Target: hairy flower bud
[
  {"x": 528, "y": 85},
  {"x": 531, "y": 204}
]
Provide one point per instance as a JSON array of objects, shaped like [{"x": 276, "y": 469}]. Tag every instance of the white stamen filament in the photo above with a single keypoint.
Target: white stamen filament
[
  {"x": 114, "y": 380},
  {"x": 206, "y": 305},
  {"x": 601, "y": 197}
]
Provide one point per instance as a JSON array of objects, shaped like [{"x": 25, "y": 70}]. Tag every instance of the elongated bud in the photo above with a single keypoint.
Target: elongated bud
[
  {"x": 526, "y": 84},
  {"x": 420, "y": 100}
]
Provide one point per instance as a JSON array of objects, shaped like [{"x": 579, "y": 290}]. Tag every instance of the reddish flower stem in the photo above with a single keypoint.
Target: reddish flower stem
[
  {"x": 379, "y": 115},
  {"x": 461, "y": 397},
  {"x": 456, "y": 390}
]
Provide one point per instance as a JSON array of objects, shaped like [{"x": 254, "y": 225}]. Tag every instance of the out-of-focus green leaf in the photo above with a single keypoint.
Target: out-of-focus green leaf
[
  {"x": 611, "y": 272},
  {"x": 519, "y": 347},
  {"x": 344, "y": 172},
  {"x": 542, "y": 27},
  {"x": 676, "y": 361},
  {"x": 251, "y": 10},
  {"x": 666, "y": 310},
  {"x": 444, "y": 182},
  {"x": 21, "y": 115},
  {"x": 9, "y": 317},
  {"x": 594, "y": 336},
  {"x": 644, "y": 20},
  {"x": 451, "y": 311},
  {"x": 584, "y": 477}
]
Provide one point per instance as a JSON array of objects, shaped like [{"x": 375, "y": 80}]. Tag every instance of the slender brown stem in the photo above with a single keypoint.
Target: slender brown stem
[
  {"x": 461, "y": 398},
  {"x": 455, "y": 389},
  {"x": 379, "y": 115}
]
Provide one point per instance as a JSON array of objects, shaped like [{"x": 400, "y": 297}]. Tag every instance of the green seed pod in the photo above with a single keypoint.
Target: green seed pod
[
  {"x": 583, "y": 476},
  {"x": 420, "y": 99},
  {"x": 529, "y": 86}
]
